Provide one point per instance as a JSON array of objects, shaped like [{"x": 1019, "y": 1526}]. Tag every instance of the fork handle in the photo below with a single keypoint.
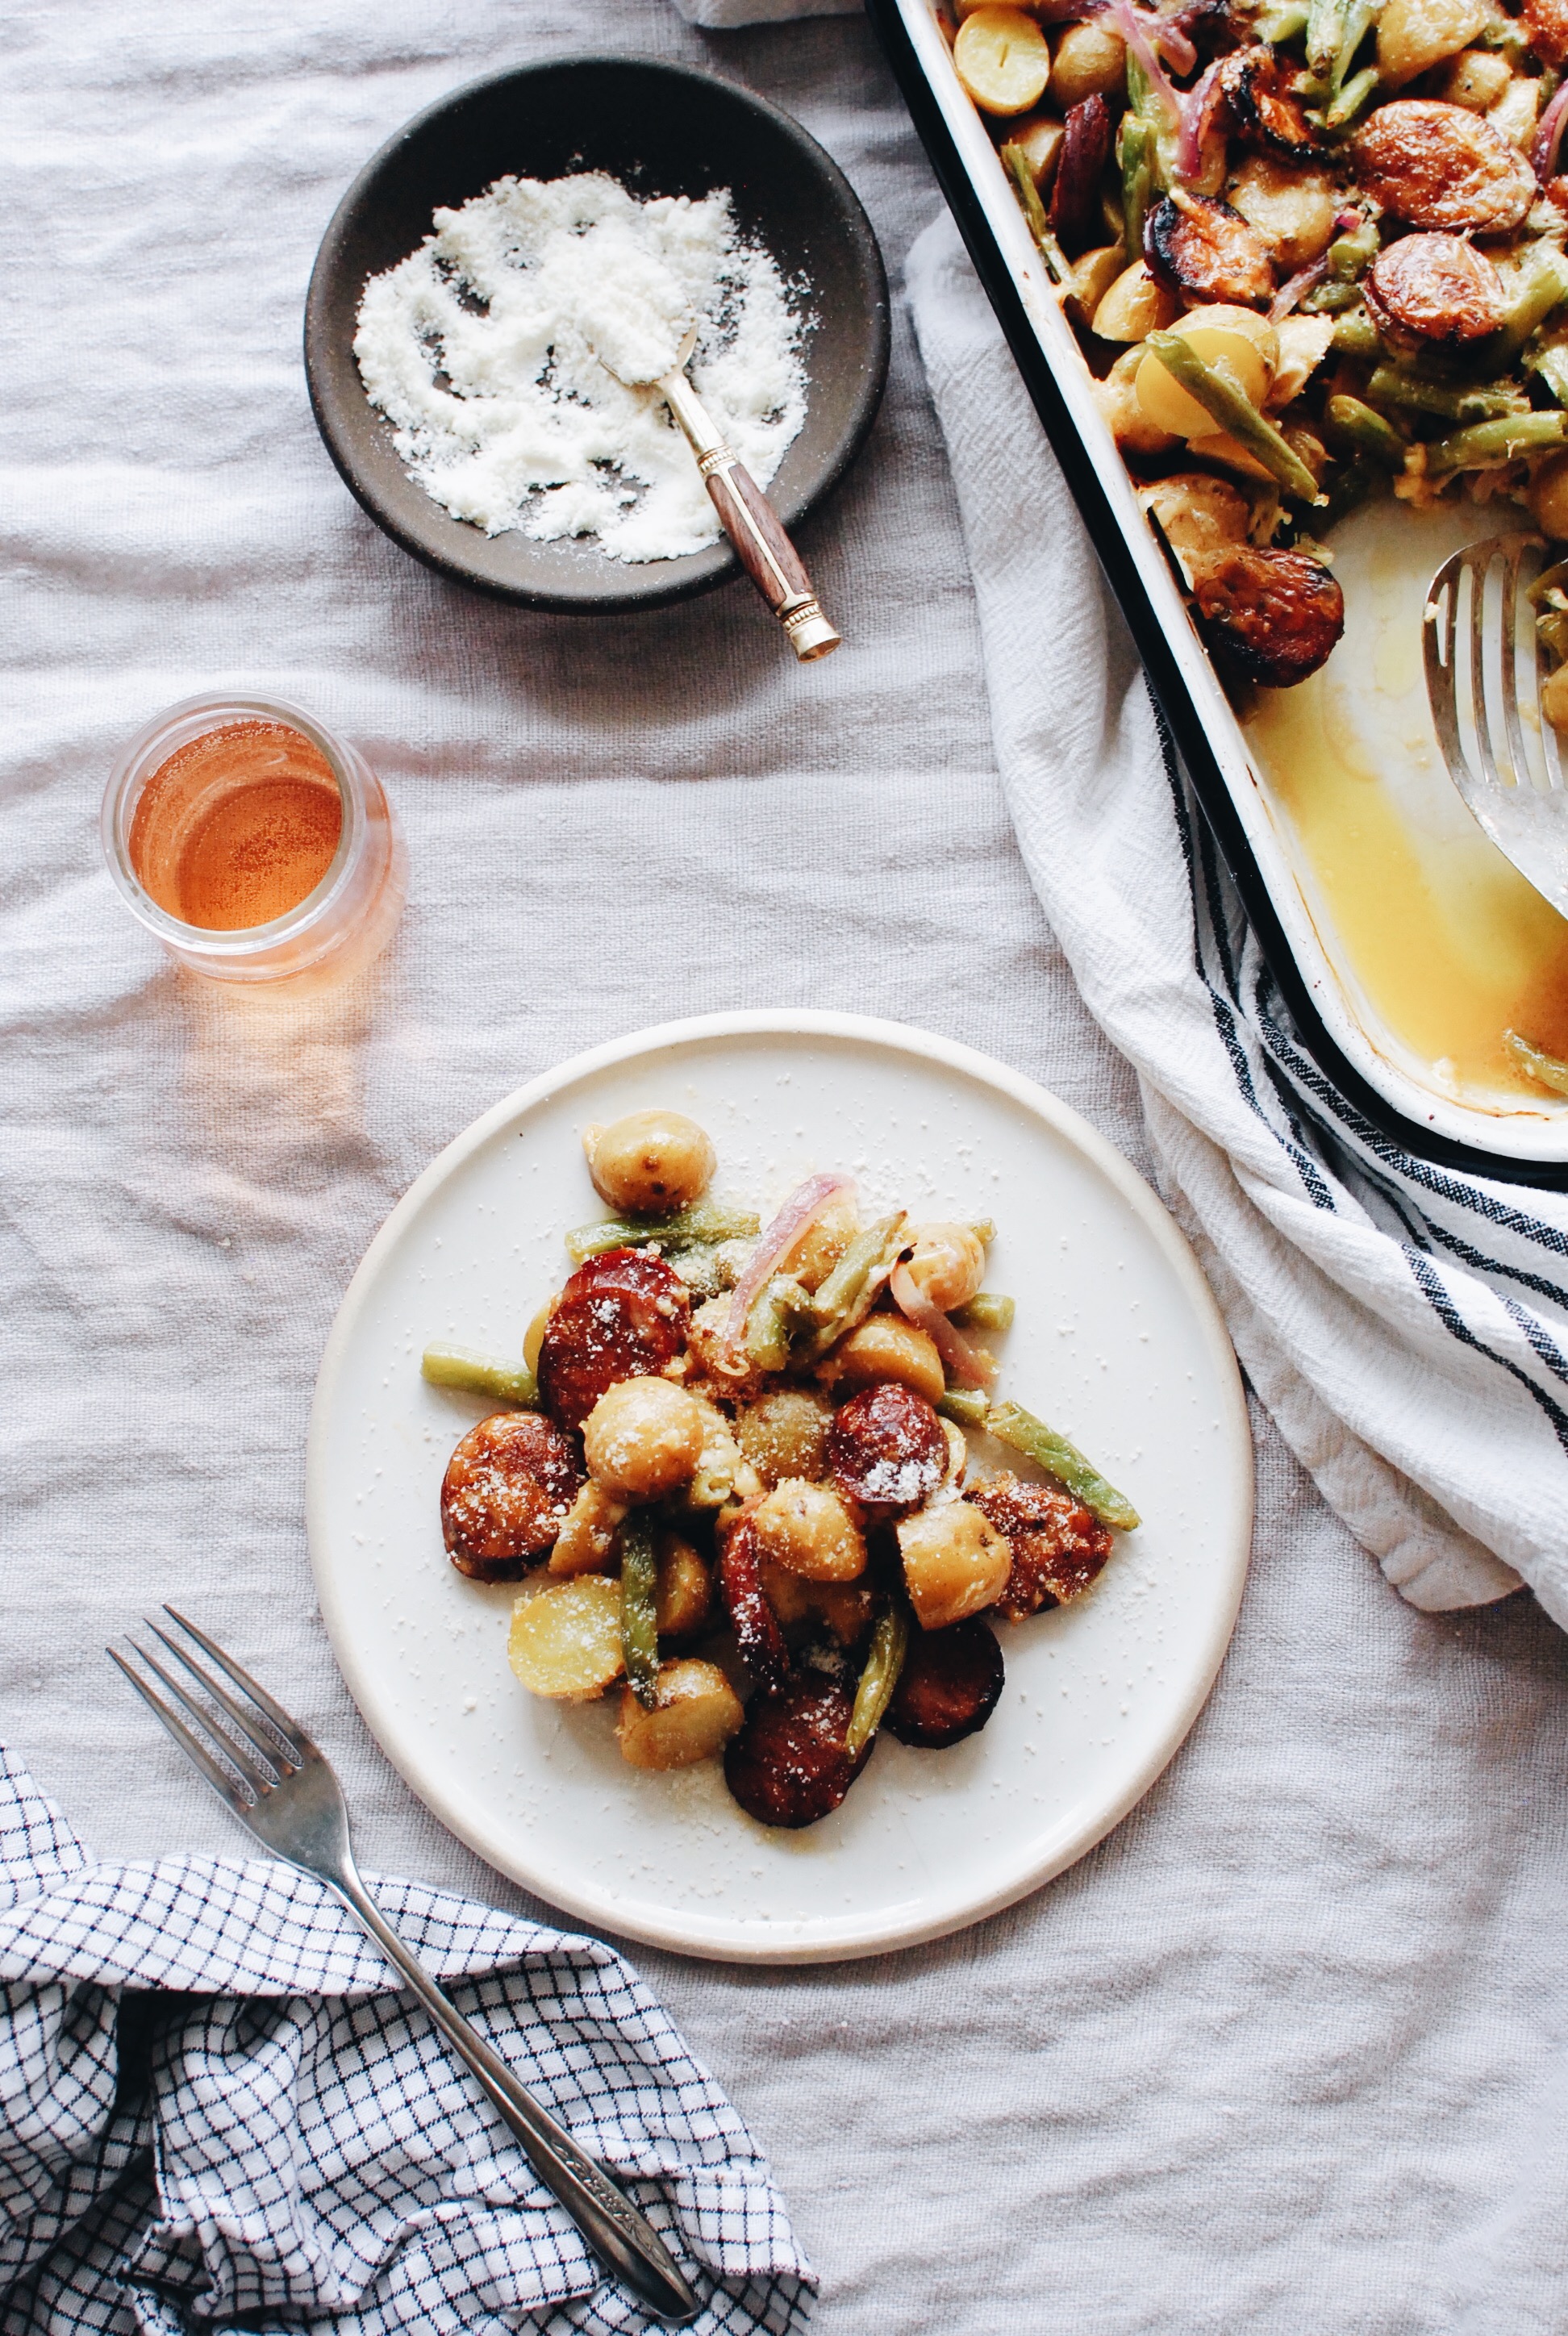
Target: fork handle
[
  {"x": 618, "y": 2232},
  {"x": 752, "y": 524}
]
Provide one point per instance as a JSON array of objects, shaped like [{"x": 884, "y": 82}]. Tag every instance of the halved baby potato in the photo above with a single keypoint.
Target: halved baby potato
[
  {"x": 565, "y": 1640},
  {"x": 1242, "y": 346},
  {"x": 955, "y": 1563},
  {"x": 1003, "y": 60},
  {"x": 697, "y": 1713}
]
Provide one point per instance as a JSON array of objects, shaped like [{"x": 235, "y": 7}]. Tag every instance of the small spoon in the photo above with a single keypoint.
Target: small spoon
[{"x": 749, "y": 520}]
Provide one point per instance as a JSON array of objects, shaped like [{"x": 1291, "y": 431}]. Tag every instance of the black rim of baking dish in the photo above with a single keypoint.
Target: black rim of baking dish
[
  {"x": 718, "y": 563},
  {"x": 1170, "y": 691}
]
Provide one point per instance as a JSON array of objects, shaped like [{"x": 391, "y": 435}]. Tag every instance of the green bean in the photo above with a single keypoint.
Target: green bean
[
  {"x": 1349, "y": 485},
  {"x": 851, "y": 1289},
  {"x": 709, "y": 1220},
  {"x": 1325, "y": 33},
  {"x": 1355, "y": 94},
  {"x": 1331, "y": 297},
  {"x": 1546, "y": 1068},
  {"x": 965, "y": 1406},
  {"x": 884, "y": 1660},
  {"x": 1234, "y": 412},
  {"x": 1348, "y": 255},
  {"x": 1016, "y": 163},
  {"x": 775, "y": 1311},
  {"x": 1550, "y": 364},
  {"x": 986, "y": 1311},
  {"x": 1356, "y": 335},
  {"x": 1360, "y": 15},
  {"x": 1135, "y": 147},
  {"x": 455, "y": 1366},
  {"x": 1489, "y": 444},
  {"x": 1356, "y": 428},
  {"x": 1542, "y": 285},
  {"x": 1407, "y": 393},
  {"x": 1040, "y": 1443},
  {"x": 640, "y": 1608},
  {"x": 1282, "y": 22}
]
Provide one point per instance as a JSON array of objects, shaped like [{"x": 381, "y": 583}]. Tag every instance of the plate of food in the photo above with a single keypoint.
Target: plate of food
[
  {"x": 1356, "y": 211},
  {"x": 779, "y": 1486}
]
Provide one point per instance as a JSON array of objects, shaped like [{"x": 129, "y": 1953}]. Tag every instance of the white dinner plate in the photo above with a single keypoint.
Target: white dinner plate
[{"x": 1117, "y": 1343}]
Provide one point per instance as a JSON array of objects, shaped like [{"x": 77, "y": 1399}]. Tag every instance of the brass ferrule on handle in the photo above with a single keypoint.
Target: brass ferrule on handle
[{"x": 752, "y": 525}]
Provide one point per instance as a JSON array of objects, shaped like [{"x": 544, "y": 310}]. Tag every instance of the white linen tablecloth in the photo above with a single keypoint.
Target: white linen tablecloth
[{"x": 1289, "y": 2050}]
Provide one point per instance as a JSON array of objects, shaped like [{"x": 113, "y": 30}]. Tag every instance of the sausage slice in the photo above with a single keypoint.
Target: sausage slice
[
  {"x": 1075, "y": 218},
  {"x": 1268, "y": 616},
  {"x": 950, "y": 1684},
  {"x": 1434, "y": 288},
  {"x": 1058, "y": 1546},
  {"x": 505, "y": 1495},
  {"x": 788, "y": 1766},
  {"x": 886, "y": 1450},
  {"x": 621, "y": 1315},
  {"x": 1200, "y": 245},
  {"x": 1545, "y": 23},
  {"x": 756, "y": 1627},
  {"x": 1266, "y": 104},
  {"x": 1435, "y": 165}
]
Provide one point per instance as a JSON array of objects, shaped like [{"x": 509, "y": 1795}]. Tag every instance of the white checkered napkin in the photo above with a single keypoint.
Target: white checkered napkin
[{"x": 214, "y": 2104}]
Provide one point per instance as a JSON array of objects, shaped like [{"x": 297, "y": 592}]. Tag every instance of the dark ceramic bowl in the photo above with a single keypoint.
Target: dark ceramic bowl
[{"x": 660, "y": 130}]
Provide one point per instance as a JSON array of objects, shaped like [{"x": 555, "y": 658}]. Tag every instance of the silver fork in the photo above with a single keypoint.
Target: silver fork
[
  {"x": 1483, "y": 701},
  {"x": 281, "y": 1788}
]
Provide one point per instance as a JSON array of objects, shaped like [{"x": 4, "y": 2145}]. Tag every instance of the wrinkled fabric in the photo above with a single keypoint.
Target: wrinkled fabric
[
  {"x": 275, "y": 2131},
  {"x": 1289, "y": 2051},
  {"x": 1406, "y": 1326}
]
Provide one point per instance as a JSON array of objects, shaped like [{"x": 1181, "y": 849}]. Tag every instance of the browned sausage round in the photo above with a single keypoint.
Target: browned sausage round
[
  {"x": 1200, "y": 246},
  {"x": 1441, "y": 166},
  {"x": 1545, "y": 23},
  {"x": 1270, "y": 617},
  {"x": 1263, "y": 90},
  {"x": 1434, "y": 288},
  {"x": 949, "y": 1687},
  {"x": 886, "y": 1450},
  {"x": 507, "y": 1489},
  {"x": 1058, "y": 1546},
  {"x": 1077, "y": 219},
  {"x": 623, "y": 1316},
  {"x": 756, "y": 1627},
  {"x": 788, "y": 1766}
]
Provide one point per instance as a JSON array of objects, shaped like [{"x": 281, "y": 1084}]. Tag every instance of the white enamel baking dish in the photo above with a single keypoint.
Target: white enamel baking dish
[{"x": 1515, "y": 1141}]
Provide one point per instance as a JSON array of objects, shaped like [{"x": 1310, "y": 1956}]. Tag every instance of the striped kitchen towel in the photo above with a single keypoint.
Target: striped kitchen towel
[
  {"x": 215, "y": 2109},
  {"x": 1406, "y": 1326}
]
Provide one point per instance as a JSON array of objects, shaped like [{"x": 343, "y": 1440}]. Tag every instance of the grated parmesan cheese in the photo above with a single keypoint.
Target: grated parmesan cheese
[{"x": 479, "y": 350}]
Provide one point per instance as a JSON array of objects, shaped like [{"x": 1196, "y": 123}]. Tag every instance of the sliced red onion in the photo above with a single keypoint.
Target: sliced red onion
[
  {"x": 1180, "y": 52},
  {"x": 1548, "y": 136},
  {"x": 1193, "y": 105},
  {"x": 1290, "y": 292},
  {"x": 1348, "y": 222},
  {"x": 965, "y": 1364},
  {"x": 802, "y": 1208},
  {"x": 1135, "y": 31}
]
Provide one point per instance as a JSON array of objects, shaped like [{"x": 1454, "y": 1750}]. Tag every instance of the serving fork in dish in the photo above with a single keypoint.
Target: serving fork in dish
[
  {"x": 265, "y": 1769},
  {"x": 1484, "y": 686}
]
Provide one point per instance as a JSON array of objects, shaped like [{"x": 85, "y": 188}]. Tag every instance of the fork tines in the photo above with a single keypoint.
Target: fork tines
[{"x": 243, "y": 1748}]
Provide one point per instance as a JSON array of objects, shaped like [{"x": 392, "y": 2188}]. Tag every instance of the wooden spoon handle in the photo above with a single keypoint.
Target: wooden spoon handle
[{"x": 752, "y": 526}]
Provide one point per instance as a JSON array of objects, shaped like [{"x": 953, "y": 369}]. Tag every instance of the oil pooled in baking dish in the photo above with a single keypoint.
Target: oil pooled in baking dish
[{"x": 1440, "y": 941}]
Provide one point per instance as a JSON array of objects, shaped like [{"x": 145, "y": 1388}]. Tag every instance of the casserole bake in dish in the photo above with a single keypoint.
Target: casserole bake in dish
[{"x": 1405, "y": 944}]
